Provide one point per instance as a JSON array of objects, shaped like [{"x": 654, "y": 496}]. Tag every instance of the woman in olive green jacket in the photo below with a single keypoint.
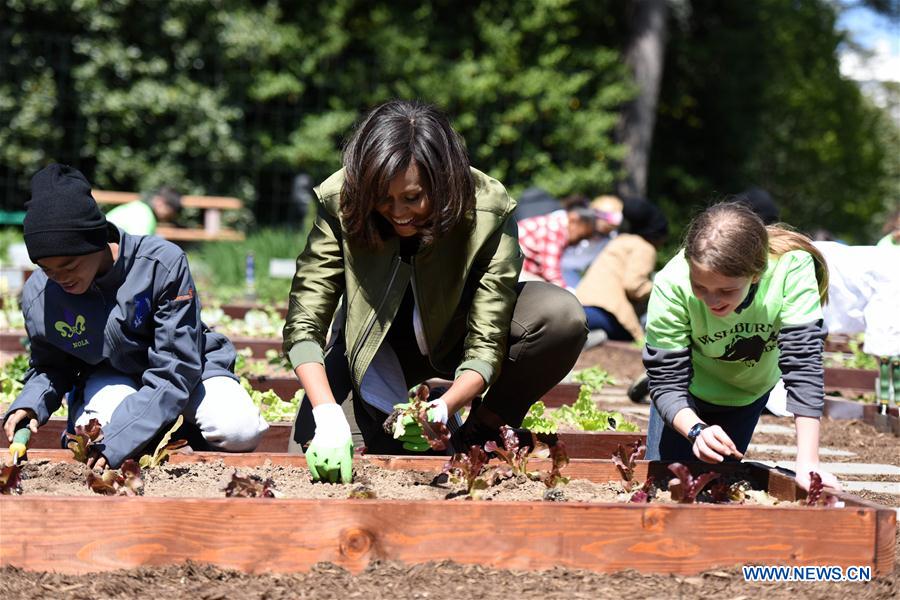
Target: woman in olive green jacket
[{"x": 422, "y": 251}]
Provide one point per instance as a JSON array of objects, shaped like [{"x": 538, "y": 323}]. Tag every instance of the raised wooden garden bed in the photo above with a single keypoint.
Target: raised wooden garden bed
[
  {"x": 842, "y": 378},
  {"x": 13, "y": 341},
  {"x": 839, "y": 408},
  {"x": 581, "y": 444},
  {"x": 239, "y": 310},
  {"x": 838, "y": 343},
  {"x": 620, "y": 359},
  {"x": 284, "y": 535},
  {"x": 258, "y": 346}
]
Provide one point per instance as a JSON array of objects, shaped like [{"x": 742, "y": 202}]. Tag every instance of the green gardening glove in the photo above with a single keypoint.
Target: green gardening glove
[
  {"x": 408, "y": 430},
  {"x": 330, "y": 453}
]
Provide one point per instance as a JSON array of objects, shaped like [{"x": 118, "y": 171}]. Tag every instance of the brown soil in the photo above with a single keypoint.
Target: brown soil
[
  {"x": 621, "y": 361},
  {"x": 192, "y": 581},
  {"x": 885, "y": 500},
  {"x": 207, "y": 480},
  {"x": 865, "y": 441}
]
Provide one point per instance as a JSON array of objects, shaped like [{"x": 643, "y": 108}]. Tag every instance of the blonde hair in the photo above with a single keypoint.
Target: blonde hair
[
  {"x": 731, "y": 239},
  {"x": 783, "y": 239}
]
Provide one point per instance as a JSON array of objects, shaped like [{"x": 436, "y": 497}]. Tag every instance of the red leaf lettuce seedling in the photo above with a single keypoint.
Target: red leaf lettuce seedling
[
  {"x": 469, "y": 469},
  {"x": 85, "y": 439},
  {"x": 684, "y": 487},
  {"x": 645, "y": 494},
  {"x": 516, "y": 457},
  {"x": 435, "y": 433},
  {"x": 253, "y": 486},
  {"x": 559, "y": 459},
  {"x": 816, "y": 494},
  {"x": 11, "y": 479},
  {"x": 128, "y": 482},
  {"x": 625, "y": 458},
  {"x": 722, "y": 492}
]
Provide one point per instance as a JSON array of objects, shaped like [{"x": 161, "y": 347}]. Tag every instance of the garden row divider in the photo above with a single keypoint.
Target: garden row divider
[
  {"x": 12, "y": 341},
  {"x": 239, "y": 310},
  {"x": 287, "y": 535},
  {"x": 846, "y": 378}
]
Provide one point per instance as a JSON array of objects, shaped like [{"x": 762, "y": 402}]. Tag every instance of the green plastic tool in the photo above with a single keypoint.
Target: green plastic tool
[{"x": 20, "y": 444}]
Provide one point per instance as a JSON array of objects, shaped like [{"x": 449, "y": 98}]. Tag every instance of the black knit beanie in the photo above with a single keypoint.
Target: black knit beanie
[
  {"x": 62, "y": 217},
  {"x": 760, "y": 202},
  {"x": 645, "y": 219}
]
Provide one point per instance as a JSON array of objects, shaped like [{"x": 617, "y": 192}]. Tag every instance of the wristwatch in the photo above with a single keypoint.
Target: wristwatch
[{"x": 695, "y": 431}]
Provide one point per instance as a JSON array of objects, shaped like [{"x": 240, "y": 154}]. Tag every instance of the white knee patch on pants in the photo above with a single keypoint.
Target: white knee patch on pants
[
  {"x": 104, "y": 391},
  {"x": 226, "y": 416}
]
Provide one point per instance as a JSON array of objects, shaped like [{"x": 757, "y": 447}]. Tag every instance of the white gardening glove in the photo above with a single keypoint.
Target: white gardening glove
[
  {"x": 412, "y": 436},
  {"x": 437, "y": 411},
  {"x": 330, "y": 453}
]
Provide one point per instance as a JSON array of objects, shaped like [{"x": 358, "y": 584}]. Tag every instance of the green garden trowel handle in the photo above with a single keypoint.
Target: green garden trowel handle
[{"x": 20, "y": 443}]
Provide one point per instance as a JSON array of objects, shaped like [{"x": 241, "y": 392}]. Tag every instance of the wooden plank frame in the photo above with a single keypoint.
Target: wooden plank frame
[
  {"x": 239, "y": 310},
  {"x": 285, "y": 535},
  {"x": 856, "y": 379},
  {"x": 840, "y": 408}
]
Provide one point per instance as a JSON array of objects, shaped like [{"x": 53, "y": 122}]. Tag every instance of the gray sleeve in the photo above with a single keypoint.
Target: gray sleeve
[
  {"x": 670, "y": 373},
  {"x": 800, "y": 361},
  {"x": 50, "y": 377}
]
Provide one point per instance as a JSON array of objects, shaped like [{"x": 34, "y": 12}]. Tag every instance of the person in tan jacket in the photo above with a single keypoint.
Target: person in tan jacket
[{"x": 616, "y": 287}]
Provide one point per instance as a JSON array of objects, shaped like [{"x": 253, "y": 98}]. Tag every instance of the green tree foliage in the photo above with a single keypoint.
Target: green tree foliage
[
  {"x": 752, "y": 95},
  {"x": 234, "y": 96}
]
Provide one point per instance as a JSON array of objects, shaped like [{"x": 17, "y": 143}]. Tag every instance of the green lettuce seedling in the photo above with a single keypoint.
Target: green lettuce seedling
[
  {"x": 594, "y": 378},
  {"x": 165, "y": 448},
  {"x": 582, "y": 415}
]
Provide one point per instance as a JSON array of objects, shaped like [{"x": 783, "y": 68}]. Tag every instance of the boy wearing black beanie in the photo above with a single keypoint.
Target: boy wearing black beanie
[{"x": 114, "y": 322}]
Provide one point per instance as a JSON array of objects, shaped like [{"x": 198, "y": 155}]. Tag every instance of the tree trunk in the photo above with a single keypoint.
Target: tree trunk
[{"x": 644, "y": 55}]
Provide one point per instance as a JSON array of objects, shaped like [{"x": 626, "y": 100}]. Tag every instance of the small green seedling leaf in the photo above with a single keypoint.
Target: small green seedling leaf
[{"x": 165, "y": 448}]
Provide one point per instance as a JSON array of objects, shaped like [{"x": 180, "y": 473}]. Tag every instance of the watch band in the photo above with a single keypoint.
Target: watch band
[{"x": 695, "y": 431}]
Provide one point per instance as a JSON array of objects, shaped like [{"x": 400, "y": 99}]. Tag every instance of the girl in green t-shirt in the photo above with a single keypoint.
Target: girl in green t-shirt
[{"x": 739, "y": 308}]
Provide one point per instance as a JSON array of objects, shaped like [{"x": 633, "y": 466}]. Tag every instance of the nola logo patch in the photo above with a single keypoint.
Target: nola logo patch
[
  {"x": 72, "y": 327},
  {"x": 141, "y": 309}
]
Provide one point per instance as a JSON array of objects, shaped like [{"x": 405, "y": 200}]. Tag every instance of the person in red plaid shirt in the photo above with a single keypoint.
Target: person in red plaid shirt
[{"x": 544, "y": 238}]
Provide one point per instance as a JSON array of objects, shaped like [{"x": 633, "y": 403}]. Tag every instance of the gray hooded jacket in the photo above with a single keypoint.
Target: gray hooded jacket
[{"x": 142, "y": 318}]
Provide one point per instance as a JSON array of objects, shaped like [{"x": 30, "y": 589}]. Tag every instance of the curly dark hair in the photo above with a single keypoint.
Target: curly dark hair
[{"x": 385, "y": 143}]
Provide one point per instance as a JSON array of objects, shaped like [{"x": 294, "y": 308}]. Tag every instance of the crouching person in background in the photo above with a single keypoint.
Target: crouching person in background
[{"x": 114, "y": 321}]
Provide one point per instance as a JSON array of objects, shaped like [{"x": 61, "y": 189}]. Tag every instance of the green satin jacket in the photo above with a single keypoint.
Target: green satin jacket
[{"x": 463, "y": 283}]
